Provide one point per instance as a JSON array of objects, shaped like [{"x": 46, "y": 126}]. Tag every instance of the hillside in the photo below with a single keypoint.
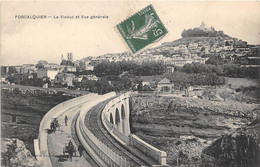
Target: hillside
[
  {"x": 240, "y": 148},
  {"x": 196, "y": 45}
]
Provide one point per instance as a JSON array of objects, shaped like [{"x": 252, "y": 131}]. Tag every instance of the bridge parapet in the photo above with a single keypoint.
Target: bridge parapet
[
  {"x": 101, "y": 153},
  {"x": 148, "y": 149}
]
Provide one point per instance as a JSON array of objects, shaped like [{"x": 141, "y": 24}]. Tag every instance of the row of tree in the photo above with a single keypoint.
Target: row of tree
[
  {"x": 215, "y": 64},
  {"x": 182, "y": 79},
  {"x": 103, "y": 85},
  {"x": 228, "y": 70}
]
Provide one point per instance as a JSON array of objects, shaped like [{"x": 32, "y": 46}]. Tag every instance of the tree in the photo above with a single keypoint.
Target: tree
[
  {"x": 41, "y": 64},
  {"x": 103, "y": 86},
  {"x": 215, "y": 60},
  {"x": 16, "y": 78},
  {"x": 35, "y": 81}
]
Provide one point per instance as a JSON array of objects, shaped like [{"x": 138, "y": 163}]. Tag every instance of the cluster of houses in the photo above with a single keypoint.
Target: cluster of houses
[
  {"x": 149, "y": 56},
  {"x": 180, "y": 54},
  {"x": 58, "y": 74}
]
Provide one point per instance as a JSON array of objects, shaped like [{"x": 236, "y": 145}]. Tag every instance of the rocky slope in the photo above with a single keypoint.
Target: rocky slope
[
  {"x": 183, "y": 127},
  {"x": 14, "y": 153},
  {"x": 240, "y": 148}
]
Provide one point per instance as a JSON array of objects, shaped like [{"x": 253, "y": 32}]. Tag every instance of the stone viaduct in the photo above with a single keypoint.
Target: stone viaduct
[{"x": 111, "y": 124}]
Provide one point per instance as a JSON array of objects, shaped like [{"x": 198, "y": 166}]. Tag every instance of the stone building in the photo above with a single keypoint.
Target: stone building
[
  {"x": 165, "y": 86},
  {"x": 65, "y": 78}
]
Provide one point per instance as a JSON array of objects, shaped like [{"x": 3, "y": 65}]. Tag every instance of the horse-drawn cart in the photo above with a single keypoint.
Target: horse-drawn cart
[
  {"x": 69, "y": 149},
  {"x": 54, "y": 124}
]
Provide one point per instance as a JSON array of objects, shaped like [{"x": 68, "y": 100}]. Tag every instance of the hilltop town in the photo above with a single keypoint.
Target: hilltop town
[{"x": 198, "y": 45}]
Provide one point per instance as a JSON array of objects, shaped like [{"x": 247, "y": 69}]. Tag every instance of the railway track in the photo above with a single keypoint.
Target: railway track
[{"x": 94, "y": 124}]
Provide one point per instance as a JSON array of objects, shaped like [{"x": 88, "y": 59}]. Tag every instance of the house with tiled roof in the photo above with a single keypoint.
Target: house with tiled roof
[{"x": 165, "y": 86}]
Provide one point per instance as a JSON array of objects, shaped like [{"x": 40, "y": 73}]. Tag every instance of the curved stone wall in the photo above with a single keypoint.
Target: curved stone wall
[{"x": 97, "y": 149}]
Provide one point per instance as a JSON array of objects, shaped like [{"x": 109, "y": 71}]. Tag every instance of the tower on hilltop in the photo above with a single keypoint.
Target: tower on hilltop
[
  {"x": 70, "y": 57},
  {"x": 203, "y": 25}
]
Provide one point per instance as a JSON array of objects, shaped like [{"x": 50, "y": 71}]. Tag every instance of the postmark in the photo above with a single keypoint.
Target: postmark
[{"x": 142, "y": 29}]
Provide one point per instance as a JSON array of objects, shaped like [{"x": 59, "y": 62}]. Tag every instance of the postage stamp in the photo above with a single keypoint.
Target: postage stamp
[{"x": 142, "y": 29}]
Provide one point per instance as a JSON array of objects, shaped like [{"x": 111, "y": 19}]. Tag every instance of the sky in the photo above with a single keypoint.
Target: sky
[{"x": 26, "y": 41}]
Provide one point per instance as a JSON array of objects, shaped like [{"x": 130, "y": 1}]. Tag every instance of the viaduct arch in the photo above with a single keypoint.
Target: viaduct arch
[
  {"x": 117, "y": 113},
  {"x": 115, "y": 117}
]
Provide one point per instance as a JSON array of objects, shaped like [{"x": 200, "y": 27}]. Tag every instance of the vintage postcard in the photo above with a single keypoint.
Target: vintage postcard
[{"x": 130, "y": 83}]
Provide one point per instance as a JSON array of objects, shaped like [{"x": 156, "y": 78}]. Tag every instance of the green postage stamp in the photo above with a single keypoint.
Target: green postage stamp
[{"x": 142, "y": 29}]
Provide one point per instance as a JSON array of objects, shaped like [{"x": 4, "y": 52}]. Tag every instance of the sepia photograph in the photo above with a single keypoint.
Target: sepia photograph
[{"x": 151, "y": 83}]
